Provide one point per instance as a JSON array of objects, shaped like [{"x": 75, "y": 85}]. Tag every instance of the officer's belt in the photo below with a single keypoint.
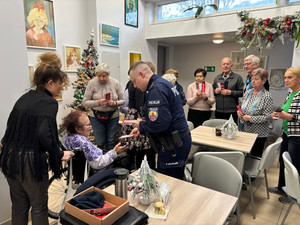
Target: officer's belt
[{"x": 185, "y": 133}]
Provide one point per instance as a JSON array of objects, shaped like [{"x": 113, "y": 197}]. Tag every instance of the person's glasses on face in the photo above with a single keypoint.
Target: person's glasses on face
[
  {"x": 247, "y": 64},
  {"x": 88, "y": 125}
]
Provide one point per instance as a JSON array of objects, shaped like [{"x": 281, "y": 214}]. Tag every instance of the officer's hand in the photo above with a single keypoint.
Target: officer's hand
[
  {"x": 137, "y": 123},
  {"x": 102, "y": 102},
  {"x": 135, "y": 132}
]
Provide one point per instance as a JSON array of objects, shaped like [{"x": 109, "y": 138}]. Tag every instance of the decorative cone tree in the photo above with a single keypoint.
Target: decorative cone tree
[{"x": 86, "y": 72}]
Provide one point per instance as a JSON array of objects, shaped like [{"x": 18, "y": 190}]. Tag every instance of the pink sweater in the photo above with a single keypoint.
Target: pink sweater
[{"x": 200, "y": 104}]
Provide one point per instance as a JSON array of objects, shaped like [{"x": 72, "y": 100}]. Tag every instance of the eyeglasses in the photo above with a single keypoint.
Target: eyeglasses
[
  {"x": 88, "y": 125},
  {"x": 247, "y": 64}
]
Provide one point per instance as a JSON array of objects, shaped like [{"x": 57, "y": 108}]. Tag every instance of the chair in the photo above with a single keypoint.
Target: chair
[
  {"x": 254, "y": 166},
  {"x": 214, "y": 122},
  {"x": 218, "y": 174},
  {"x": 292, "y": 182},
  {"x": 191, "y": 125}
]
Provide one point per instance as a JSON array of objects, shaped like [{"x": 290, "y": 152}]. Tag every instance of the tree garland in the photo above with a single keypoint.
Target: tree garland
[{"x": 261, "y": 33}]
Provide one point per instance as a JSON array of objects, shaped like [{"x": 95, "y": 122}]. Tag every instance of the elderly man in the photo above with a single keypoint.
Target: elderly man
[
  {"x": 251, "y": 62},
  {"x": 164, "y": 120},
  {"x": 228, "y": 87}
]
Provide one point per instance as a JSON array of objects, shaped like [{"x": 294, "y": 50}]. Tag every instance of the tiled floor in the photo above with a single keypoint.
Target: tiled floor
[{"x": 268, "y": 211}]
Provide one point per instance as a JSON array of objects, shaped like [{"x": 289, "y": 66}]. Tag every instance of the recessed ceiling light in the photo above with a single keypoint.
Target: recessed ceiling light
[{"x": 218, "y": 41}]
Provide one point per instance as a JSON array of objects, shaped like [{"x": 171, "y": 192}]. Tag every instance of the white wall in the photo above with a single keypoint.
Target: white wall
[
  {"x": 14, "y": 75},
  {"x": 131, "y": 39},
  {"x": 74, "y": 20}
]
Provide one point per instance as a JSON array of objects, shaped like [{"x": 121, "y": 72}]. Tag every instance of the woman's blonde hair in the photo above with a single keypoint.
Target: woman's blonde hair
[
  {"x": 295, "y": 70},
  {"x": 37, "y": 13},
  {"x": 170, "y": 77}
]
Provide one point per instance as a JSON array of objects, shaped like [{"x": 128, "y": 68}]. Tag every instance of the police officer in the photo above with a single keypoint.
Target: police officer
[{"x": 164, "y": 120}]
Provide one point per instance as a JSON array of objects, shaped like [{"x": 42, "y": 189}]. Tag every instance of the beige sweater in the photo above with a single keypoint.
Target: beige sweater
[
  {"x": 200, "y": 104},
  {"x": 96, "y": 91}
]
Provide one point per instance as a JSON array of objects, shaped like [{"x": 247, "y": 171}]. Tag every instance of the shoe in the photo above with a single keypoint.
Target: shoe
[
  {"x": 276, "y": 190},
  {"x": 284, "y": 199}
]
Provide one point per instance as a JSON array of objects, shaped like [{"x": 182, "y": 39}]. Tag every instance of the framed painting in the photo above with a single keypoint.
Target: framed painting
[
  {"x": 131, "y": 12},
  {"x": 262, "y": 62},
  {"x": 237, "y": 58},
  {"x": 39, "y": 24},
  {"x": 276, "y": 79},
  {"x": 31, "y": 74},
  {"x": 134, "y": 57},
  {"x": 72, "y": 58},
  {"x": 109, "y": 35}
]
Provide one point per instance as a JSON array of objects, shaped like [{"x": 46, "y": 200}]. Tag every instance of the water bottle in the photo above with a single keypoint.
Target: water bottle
[{"x": 121, "y": 176}]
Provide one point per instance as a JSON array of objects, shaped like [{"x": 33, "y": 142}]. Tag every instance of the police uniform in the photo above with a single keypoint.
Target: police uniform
[{"x": 165, "y": 121}]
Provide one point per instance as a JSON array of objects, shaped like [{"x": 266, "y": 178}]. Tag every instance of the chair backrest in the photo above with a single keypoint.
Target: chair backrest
[
  {"x": 291, "y": 177},
  {"x": 237, "y": 159},
  {"x": 214, "y": 122},
  {"x": 191, "y": 125},
  {"x": 218, "y": 174},
  {"x": 269, "y": 155}
]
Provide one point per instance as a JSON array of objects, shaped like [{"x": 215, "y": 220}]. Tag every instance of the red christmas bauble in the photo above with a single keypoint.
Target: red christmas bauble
[
  {"x": 269, "y": 37},
  {"x": 289, "y": 22},
  {"x": 244, "y": 32},
  {"x": 266, "y": 24},
  {"x": 268, "y": 20}
]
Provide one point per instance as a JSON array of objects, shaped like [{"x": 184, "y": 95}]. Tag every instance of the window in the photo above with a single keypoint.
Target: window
[
  {"x": 226, "y": 5},
  {"x": 175, "y": 10},
  {"x": 291, "y": 1}
]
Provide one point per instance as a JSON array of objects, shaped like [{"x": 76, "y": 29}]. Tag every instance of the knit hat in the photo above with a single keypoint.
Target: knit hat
[{"x": 90, "y": 200}]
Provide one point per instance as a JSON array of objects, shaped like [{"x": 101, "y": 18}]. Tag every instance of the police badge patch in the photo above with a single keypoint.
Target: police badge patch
[{"x": 153, "y": 114}]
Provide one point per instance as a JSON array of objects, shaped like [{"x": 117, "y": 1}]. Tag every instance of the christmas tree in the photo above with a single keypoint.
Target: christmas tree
[{"x": 86, "y": 72}]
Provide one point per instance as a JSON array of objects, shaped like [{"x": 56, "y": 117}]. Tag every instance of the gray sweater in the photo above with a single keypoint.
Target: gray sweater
[{"x": 96, "y": 91}]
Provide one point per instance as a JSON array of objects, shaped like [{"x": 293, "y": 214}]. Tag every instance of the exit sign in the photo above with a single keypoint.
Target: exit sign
[{"x": 210, "y": 68}]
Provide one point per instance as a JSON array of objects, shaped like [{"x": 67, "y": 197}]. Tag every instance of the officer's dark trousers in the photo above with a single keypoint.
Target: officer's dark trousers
[
  {"x": 174, "y": 166},
  {"x": 25, "y": 194}
]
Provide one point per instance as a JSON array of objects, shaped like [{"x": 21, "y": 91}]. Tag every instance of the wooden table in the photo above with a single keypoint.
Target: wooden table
[
  {"x": 206, "y": 136},
  {"x": 190, "y": 203}
]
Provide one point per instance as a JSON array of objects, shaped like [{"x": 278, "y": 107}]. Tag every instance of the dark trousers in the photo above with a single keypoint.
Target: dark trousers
[
  {"x": 226, "y": 116},
  {"x": 174, "y": 166},
  {"x": 197, "y": 117},
  {"x": 258, "y": 147},
  {"x": 25, "y": 194},
  {"x": 292, "y": 145}
]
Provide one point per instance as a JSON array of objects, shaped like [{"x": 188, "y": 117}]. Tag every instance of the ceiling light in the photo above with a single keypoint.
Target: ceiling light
[{"x": 218, "y": 41}]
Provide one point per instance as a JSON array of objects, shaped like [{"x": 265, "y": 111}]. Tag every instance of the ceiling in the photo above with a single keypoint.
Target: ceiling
[{"x": 196, "y": 39}]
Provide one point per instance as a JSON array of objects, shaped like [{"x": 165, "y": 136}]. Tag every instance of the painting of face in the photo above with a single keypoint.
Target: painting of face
[{"x": 72, "y": 58}]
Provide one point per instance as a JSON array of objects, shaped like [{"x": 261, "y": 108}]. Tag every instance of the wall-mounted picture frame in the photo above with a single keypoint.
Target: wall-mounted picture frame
[
  {"x": 134, "y": 57},
  {"x": 109, "y": 35},
  {"x": 131, "y": 12},
  {"x": 72, "y": 58},
  {"x": 263, "y": 61},
  {"x": 31, "y": 74},
  {"x": 237, "y": 58},
  {"x": 39, "y": 24},
  {"x": 276, "y": 79}
]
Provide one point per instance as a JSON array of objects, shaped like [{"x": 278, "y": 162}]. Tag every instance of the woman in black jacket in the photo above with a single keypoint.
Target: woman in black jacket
[{"x": 31, "y": 142}]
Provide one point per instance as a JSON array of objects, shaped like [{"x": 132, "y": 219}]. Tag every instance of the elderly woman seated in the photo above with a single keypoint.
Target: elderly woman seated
[{"x": 78, "y": 128}]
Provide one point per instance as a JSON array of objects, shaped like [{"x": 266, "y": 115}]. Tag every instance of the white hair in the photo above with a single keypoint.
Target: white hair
[
  {"x": 102, "y": 68},
  {"x": 170, "y": 77},
  {"x": 253, "y": 59}
]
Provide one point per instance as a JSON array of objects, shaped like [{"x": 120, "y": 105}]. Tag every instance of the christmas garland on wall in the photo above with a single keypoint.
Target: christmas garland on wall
[{"x": 260, "y": 33}]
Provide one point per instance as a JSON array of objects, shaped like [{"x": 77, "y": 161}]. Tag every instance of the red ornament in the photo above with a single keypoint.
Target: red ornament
[
  {"x": 244, "y": 32},
  {"x": 266, "y": 24},
  {"x": 268, "y": 20},
  {"x": 289, "y": 22},
  {"x": 269, "y": 37},
  {"x": 85, "y": 64}
]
